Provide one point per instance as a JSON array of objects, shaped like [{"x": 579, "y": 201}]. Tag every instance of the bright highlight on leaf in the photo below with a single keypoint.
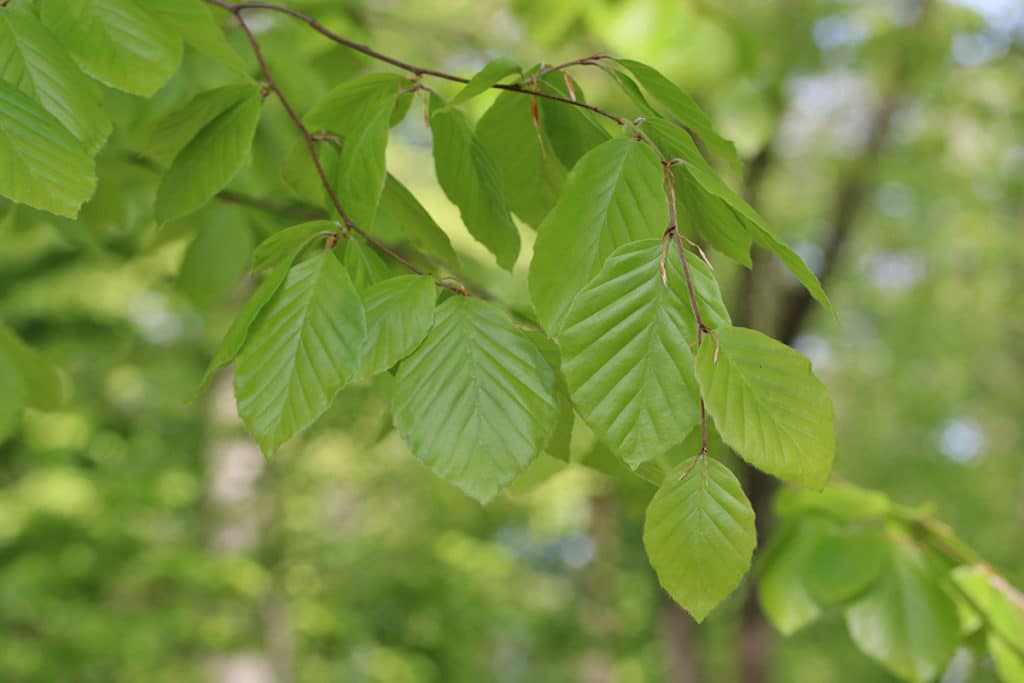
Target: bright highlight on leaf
[
  {"x": 768, "y": 405},
  {"x": 476, "y": 401},
  {"x": 699, "y": 534}
]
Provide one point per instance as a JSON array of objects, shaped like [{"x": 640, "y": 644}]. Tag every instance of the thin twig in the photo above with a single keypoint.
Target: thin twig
[
  {"x": 311, "y": 145},
  {"x": 238, "y": 8}
]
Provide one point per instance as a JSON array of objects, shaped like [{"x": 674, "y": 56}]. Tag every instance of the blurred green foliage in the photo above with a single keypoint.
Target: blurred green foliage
[{"x": 143, "y": 538}]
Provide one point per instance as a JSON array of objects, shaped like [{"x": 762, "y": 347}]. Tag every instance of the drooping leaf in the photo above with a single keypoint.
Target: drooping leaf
[
  {"x": 573, "y": 131},
  {"x": 699, "y": 535},
  {"x": 783, "y": 591},
  {"x": 614, "y": 195},
  {"x": 493, "y": 71},
  {"x": 363, "y": 263},
  {"x": 239, "y": 330},
  {"x": 359, "y": 174},
  {"x": 346, "y": 104},
  {"x": 305, "y": 345},
  {"x": 216, "y": 259},
  {"x": 116, "y": 42},
  {"x": 33, "y": 59},
  {"x": 843, "y": 565},
  {"x": 724, "y": 234},
  {"x": 399, "y": 313},
  {"x": 284, "y": 243},
  {"x": 626, "y": 346},
  {"x": 768, "y": 405},
  {"x": 468, "y": 176},
  {"x": 180, "y": 127},
  {"x": 683, "y": 108},
  {"x": 400, "y": 214},
  {"x": 193, "y": 20},
  {"x": 209, "y": 161},
  {"x": 531, "y": 173},
  {"x": 905, "y": 621},
  {"x": 476, "y": 401},
  {"x": 299, "y": 174},
  {"x": 43, "y": 165},
  {"x": 1000, "y": 603}
]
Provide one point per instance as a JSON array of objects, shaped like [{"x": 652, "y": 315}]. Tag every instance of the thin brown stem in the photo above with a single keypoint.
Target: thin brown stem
[
  {"x": 238, "y": 8},
  {"x": 592, "y": 60},
  {"x": 273, "y": 87}
]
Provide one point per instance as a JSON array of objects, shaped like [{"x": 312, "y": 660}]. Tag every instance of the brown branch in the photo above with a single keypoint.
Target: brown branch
[{"x": 238, "y": 8}]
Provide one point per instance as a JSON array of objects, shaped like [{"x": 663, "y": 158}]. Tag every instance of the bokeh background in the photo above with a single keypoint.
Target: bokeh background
[{"x": 144, "y": 538}]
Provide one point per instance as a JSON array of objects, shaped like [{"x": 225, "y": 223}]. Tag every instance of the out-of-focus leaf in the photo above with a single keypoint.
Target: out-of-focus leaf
[
  {"x": 216, "y": 260},
  {"x": 783, "y": 591}
]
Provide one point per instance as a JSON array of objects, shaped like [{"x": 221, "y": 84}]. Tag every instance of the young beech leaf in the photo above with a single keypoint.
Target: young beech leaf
[
  {"x": 531, "y": 173},
  {"x": 193, "y": 20},
  {"x": 306, "y": 344},
  {"x": 626, "y": 348},
  {"x": 492, "y": 72},
  {"x": 399, "y": 313},
  {"x": 613, "y": 196},
  {"x": 33, "y": 59},
  {"x": 400, "y": 217},
  {"x": 1008, "y": 660},
  {"x": 340, "y": 109},
  {"x": 179, "y": 127},
  {"x": 216, "y": 259},
  {"x": 363, "y": 263},
  {"x": 209, "y": 161},
  {"x": 783, "y": 591},
  {"x": 1001, "y": 604},
  {"x": 284, "y": 244},
  {"x": 476, "y": 401},
  {"x": 699, "y": 534},
  {"x": 359, "y": 174},
  {"x": 470, "y": 180},
  {"x": 683, "y": 107},
  {"x": 572, "y": 131},
  {"x": 768, "y": 405},
  {"x": 43, "y": 165},
  {"x": 116, "y": 42},
  {"x": 843, "y": 565},
  {"x": 558, "y": 446},
  {"x": 239, "y": 330},
  {"x": 905, "y": 620}
]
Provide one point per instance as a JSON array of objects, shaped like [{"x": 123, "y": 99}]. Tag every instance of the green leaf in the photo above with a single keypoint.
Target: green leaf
[
  {"x": 239, "y": 330},
  {"x": 626, "y": 347},
  {"x": 674, "y": 143},
  {"x": 905, "y": 621},
  {"x": 470, "y": 180},
  {"x": 180, "y": 127},
  {"x": 116, "y": 42},
  {"x": 33, "y": 59},
  {"x": 783, "y": 591},
  {"x": 699, "y": 535},
  {"x": 559, "y": 445},
  {"x": 340, "y": 109},
  {"x": 399, "y": 313},
  {"x": 285, "y": 243},
  {"x": 209, "y": 161},
  {"x": 1000, "y": 603},
  {"x": 195, "y": 23},
  {"x": 44, "y": 165},
  {"x": 573, "y": 132},
  {"x": 358, "y": 176},
  {"x": 531, "y": 173},
  {"x": 768, "y": 405},
  {"x": 1009, "y": 662},
  {"x": 843, "y": 565},
  {"x": 304, "y": 347},
  {"x": 683, "y": 107},
  {"x": 613, "y": 196},
  {"x": 216, "y": 259},
  {"x": 299, "y": 174},
  {"x": 840, "y": 501},
  {"x": 363, "y": 264},
  {"x": 476, "y": 401},
  {"x": 43, "y": 383},
  {"x": 402, "y": 215},
  {"x": 493, "y": 71}
]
